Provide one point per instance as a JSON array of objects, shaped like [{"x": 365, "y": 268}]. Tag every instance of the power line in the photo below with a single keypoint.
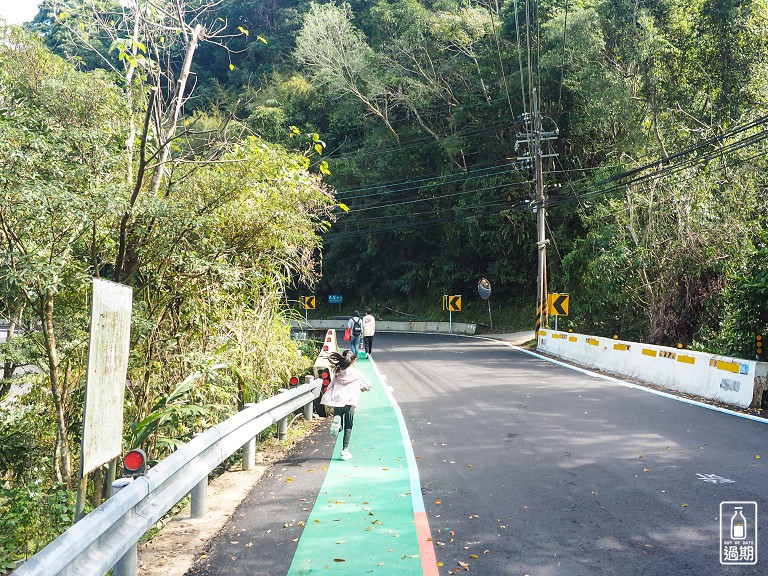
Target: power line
[
  {"x": 440, "y": 197},
  {"x": 562, "y": 64},
  {"x": 638, "y": 175},
  {"x": 436, "y": 182},
  {"x": 426, "y": 140},
  {"x": 501, "y": 61},
  {"x": 433, "y": 222},
  {"x": 395, "y": 183},
  {"x": 615, "y": 183}
]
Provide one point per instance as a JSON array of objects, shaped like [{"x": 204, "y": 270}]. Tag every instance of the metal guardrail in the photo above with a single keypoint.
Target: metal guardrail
[{"x": 102, "y": 538}]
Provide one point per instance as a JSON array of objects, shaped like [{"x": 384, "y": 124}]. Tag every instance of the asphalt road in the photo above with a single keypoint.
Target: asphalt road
[{"x": 531, "y": 468}]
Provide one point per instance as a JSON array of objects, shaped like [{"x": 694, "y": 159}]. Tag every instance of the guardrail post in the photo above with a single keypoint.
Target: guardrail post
[
  {"x": 249, "y": 450},
  {"x": 199, "y": 504},
  {"x": 309, "y": 408},
  {"x": 249, "y": 454},
  {"x": 282, "y": 424},
  {"x": 128, "y": 565}
]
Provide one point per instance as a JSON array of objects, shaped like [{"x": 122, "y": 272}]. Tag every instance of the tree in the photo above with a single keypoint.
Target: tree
[
  {"x": 61, "y": 135},
  {"x": 340, "y": 61}
]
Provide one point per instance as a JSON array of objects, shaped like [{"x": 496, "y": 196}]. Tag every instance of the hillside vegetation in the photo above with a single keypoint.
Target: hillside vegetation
[{"x": 224, "y": 158}]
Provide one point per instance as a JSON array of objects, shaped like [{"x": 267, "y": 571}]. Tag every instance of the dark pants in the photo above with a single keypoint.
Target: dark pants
[
  {"x": 347, "y": 414},
  {"x": 368, "y": 343}
]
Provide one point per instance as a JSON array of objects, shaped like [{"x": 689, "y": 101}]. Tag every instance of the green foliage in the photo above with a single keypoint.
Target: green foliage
[
  {"x": 24, "y": 436},
  {"x": 169, "y": 421},
  {"x": 743, "y": 306},
  {"x": 233, "y": 226},
  {"x": 33, "y": 515},
  {"x": 34, "y": 511},
  {"x": 410, "y": 111}
]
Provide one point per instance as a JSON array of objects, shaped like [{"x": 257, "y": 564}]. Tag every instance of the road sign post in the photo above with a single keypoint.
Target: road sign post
[
  {"x": 557, "y": 305},
  {"x": 453, "y": 304},
  {"x": 308, "y": 303},
  {"x": 335, "y": 299}
]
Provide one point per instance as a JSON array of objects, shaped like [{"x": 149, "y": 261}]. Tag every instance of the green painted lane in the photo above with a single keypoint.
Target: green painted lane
[{"x": 363, "y": 519}]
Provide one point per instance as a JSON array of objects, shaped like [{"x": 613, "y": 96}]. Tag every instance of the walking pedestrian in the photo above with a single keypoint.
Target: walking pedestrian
[
  {"x": 355, "y": 325},
  {"x": 369, "y": 329},
  {"x": 343, "y": 394}
]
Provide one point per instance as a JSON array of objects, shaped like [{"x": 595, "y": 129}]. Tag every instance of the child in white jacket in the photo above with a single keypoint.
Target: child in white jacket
[{"x": 343, "y": 394}]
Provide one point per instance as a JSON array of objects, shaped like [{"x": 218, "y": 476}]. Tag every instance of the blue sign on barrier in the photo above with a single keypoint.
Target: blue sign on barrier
[{"x": 335, "y": 299}]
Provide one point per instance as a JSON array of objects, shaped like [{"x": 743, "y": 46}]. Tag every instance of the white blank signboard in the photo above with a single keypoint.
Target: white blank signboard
[{"x": 107, "y": 369}]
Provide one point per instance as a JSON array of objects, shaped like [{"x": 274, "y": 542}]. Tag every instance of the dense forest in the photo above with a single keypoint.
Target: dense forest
[
  {"x": 223, "y": 157},
  {"x": 655, "y": 181}
]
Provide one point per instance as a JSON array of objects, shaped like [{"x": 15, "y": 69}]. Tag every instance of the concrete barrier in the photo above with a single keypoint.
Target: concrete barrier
[
  {"x": 731, "y": 380},
  {"x": 391, "y": 326}
]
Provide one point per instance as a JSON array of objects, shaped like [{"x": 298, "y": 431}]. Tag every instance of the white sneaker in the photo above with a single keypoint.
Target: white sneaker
[
  {"x": 335, "y": 426},
  {"x": 345, "y": 454}
]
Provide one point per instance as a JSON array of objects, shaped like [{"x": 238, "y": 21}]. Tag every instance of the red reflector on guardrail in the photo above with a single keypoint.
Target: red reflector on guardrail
[
  {"x": 135, "y": 463},
  {"x": 325, "y": 374}
]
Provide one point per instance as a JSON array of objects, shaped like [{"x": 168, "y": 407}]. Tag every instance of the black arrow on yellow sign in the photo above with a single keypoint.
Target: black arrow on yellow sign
[
  {"x": 557, "y": 304},
  {"x": 454, "y": 303},
  {"x": 308, "y": 302}
]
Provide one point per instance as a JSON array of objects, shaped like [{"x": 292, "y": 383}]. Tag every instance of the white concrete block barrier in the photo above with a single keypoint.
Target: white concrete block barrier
[
  {"x": 734, "y": 381},
  {"x": 392, "y": 326}
]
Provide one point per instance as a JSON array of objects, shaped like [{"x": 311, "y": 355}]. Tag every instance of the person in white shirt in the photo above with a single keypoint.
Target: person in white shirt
[
  {"x": 343, "y": 394},
  {"x": 369, "y": 329}
]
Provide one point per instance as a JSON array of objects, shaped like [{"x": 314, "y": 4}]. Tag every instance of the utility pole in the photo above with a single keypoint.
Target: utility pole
[
  {"x": 533, "y": 138},
  {"x": 541, "y": 209}
]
